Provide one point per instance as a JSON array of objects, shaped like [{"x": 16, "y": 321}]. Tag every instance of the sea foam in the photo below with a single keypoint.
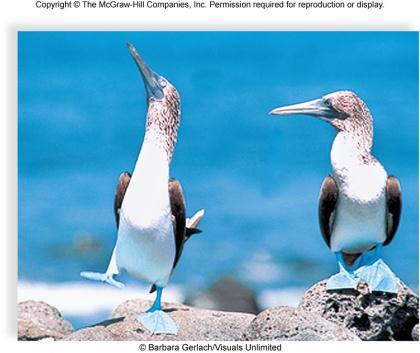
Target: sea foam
[{"x": 84, "y": 298}]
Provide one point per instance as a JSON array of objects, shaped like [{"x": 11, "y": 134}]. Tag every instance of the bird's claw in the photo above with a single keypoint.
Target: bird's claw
[{"x": 102, "y": 277}]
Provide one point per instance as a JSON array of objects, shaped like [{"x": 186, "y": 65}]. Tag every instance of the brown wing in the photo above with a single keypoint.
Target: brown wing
[
  {"x": 122, "y": 186},
  {"x": 176, "y": 199},
  {"x": 326, "y": 209},
  {"x": 393, "y": 205}
]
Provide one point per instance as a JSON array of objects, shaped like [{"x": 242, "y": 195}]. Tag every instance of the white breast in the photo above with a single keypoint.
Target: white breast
[
  {"x": 146, "y": 243},
  {"x": 361, "y": 210},
  {"x": 147, "y": 253}
]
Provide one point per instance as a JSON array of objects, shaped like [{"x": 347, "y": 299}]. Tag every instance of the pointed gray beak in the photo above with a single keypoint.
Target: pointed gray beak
[
  {"x": 152, "y": 81},
  {"x": 316, "y": 107}
]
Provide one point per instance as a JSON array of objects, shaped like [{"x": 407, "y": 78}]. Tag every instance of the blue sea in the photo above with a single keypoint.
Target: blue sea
[{"x": 81, "y": 107}]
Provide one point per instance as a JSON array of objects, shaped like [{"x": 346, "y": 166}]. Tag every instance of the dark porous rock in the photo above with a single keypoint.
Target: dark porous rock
[
  {"x": 415, "y": 333},
  {"x": 290, "y": 324},
  {"x": 372, "y": 316},
  {"x": 193, "y": 324},
  {"x": 37, "y": 320},
  {"x": 226, "y": 294}
]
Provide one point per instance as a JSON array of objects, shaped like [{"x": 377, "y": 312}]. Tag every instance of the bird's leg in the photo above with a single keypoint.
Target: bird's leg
[
  {"x": 157, "y": 321},
  {"x": 108, "y": 276},
  {"x": 376, "y": 273},
  {"x": 156, "y": 304},
  {"x": 344, "y": 279}
]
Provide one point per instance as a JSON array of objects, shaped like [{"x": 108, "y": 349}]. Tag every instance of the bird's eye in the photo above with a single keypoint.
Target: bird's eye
[
  {"x": 328, "y": 103},
  {"x": 162, "y": 83}
]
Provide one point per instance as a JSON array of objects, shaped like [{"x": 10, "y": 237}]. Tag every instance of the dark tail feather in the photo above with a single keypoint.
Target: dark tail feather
[
  {"x": 152, "y": 289},
  {"x": 191, "y": 231}
]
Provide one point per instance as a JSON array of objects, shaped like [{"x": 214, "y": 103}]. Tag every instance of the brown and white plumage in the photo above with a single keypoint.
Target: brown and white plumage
[
  {"x": 328, "y": 202},
  {"x": 149, "y": 207},
  {"x": 182, "y": 229},
  {"x": 359, "y": 204}
]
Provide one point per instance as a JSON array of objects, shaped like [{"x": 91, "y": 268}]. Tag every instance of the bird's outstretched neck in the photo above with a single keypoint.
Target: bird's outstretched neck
[
  {"x": 163, "y": 118},
  {"x": 151, "y": 171}
]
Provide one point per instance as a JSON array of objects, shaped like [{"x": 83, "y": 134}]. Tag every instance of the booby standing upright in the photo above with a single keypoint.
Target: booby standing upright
[
  {"x": 359, "y": 204},
  {"x": 149, "y": 207}
]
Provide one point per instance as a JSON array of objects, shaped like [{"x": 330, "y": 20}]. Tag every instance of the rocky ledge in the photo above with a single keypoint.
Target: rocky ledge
[
  {"x": 372, "y": 316},
  {"x": 193, "y": 324},
  {"x": 321, "y": 316},
  {"x": 38, "y": 320}
]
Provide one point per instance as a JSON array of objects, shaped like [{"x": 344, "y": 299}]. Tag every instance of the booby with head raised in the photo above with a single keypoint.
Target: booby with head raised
[
  {"x": 149, "y": 207},
  {"x": 359, "y": 204}
]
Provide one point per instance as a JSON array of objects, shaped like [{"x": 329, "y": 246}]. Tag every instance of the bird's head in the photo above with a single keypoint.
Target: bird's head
[
  {"x": 158, "y": 88},
  {"x": 163, "y": 101},
  {"x": 342, "y": 109}
]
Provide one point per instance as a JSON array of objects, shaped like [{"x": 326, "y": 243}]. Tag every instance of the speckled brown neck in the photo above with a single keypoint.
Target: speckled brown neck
[
  {"x": 358, "y": 125},
  {"x": 163, "y": 117}
]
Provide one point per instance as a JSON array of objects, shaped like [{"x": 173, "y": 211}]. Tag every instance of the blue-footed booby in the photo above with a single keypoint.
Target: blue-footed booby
[
  {"x": 359, "y": 204},
  {"x": 149, "y": 207}
]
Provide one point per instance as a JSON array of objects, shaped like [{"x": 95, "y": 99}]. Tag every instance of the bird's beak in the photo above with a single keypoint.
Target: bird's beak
[
  {"x": 316, "y": 107},
  {"x": 152, "y": 81}
]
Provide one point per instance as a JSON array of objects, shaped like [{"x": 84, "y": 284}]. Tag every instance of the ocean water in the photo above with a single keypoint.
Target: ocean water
[{"x": 81, "y": 122}]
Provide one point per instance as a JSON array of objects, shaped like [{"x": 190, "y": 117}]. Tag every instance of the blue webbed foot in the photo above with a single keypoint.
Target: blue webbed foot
[
  {"x": 376, "y": 273},
  {"x": 102, "y": 277},
  {"x": 342, "y": 280},
  {"x": 379, "y": 277},
  {"x": 158, "y": 321},
  {"x": 345, "y": 279}
]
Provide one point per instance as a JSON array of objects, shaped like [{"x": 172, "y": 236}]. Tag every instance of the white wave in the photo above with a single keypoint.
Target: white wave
[
  {"x": 261, "y": 268},
  {"x": 281, "y": 297},
  {"x": 83, "y": 298}
]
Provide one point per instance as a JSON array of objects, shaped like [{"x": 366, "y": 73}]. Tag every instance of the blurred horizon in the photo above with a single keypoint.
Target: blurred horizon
[{"x": 81, "y": 105}]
